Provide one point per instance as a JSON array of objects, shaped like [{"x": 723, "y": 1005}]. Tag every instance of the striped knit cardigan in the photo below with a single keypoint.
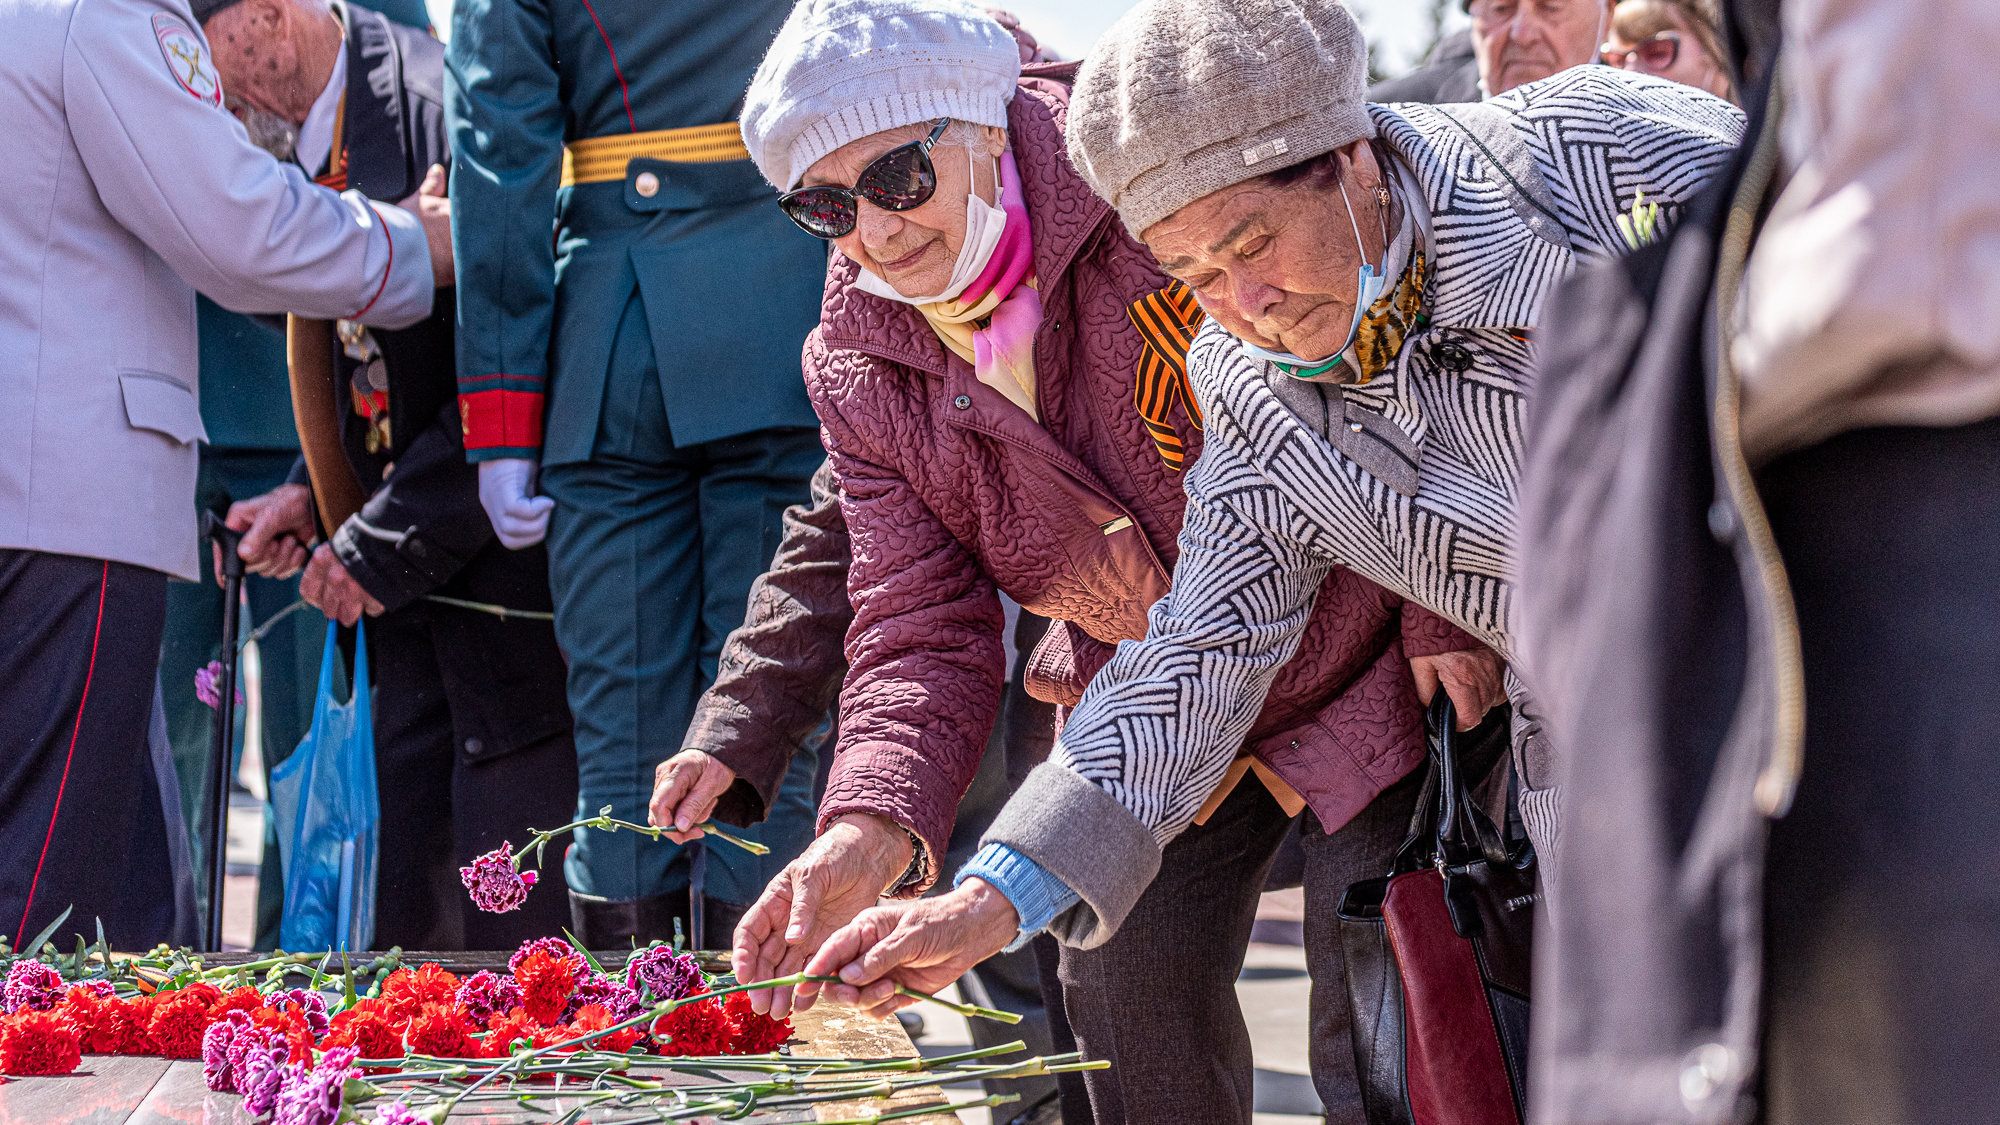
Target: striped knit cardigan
[{"x": 1408, "y": 480}]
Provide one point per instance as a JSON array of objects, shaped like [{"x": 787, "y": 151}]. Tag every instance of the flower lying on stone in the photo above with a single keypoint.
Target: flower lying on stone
[{"x": 30, "y": 985}]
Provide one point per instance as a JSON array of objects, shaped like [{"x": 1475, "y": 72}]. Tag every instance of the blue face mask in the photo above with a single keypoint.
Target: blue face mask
[{"x": 1367, "y": 289}]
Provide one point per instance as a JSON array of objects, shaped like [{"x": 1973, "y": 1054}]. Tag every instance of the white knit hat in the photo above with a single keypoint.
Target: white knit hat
[{"x": 841, "y": 70}]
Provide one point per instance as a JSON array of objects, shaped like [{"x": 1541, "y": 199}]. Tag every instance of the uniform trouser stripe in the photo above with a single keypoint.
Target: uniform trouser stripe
[{"x": 97, "y": 633}]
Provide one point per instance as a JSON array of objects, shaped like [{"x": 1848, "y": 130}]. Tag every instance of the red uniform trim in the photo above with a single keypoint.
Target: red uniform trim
[
  {"x": 386, "y": 270},
  {"x": 501, "y": 419},
  {"x": 103, "y": 584},
  {"x": 615, "y": 69}
]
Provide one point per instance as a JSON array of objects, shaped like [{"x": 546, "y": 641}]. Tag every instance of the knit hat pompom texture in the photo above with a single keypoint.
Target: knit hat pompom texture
[
  {"x": 1182, "y": 98},
  {"x": 840, "y": 70}
]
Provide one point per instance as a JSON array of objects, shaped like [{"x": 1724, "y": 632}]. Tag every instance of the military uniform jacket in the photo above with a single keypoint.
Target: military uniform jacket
[
  {"x": 126, "y": 187},
  {"x": 422, "y": 530},
  {"x": 730, "y": 286}
]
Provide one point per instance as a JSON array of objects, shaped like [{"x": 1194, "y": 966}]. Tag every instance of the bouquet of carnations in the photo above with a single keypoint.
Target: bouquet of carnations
[{"x": 419, "y": 1041}]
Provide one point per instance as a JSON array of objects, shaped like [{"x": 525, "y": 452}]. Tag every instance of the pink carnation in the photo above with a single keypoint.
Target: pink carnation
[{"x": 493, "y": 883}]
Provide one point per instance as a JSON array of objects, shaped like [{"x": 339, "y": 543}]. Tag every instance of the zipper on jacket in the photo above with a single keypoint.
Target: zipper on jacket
[{"x": 1778, "y": 781}]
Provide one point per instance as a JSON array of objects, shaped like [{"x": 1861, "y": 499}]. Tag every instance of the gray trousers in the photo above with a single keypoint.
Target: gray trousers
[{"x": 1159, "y": 998}]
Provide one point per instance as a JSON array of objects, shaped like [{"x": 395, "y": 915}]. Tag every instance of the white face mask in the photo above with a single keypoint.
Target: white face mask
[
  {"x": 983, "y": 223},
  {"x": 1367, "y": 289}
]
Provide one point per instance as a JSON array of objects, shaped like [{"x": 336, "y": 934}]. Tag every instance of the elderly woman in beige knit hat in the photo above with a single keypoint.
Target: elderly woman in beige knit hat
[{"x": 1370, "y": 279}]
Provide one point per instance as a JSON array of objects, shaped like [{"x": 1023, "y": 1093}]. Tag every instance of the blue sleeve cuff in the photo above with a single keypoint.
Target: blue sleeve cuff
[{"x": 1037, "y": 895}]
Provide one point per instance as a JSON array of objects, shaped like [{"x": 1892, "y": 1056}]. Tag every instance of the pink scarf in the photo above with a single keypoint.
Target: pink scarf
[{"x": 1002, "y": 353}]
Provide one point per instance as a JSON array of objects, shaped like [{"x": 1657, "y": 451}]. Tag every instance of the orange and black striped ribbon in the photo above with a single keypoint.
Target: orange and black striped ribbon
[{"x": 1167, "y": 322}]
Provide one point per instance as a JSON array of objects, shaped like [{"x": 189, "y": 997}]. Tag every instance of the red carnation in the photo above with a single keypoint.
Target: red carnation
[
  {"x": 100, "y": 1021},
  {"x": 407, "y": 991},
  {"x": 700, "y": 1028},
  {"x": 596, "y": 1017},
  {"x": 176, "y": 1024},
  {"x": 546, "y": 981},
  {"x": 290, "y": 1025},
  {"x": 499, "y": 1043},
  {"x": 245, "y": 999},
  {"x": 366, "y": 1028},
  {"x": 755, "y": 1034},
  {"x": 38, "y": 1042},
  {"x": 201, "y": 990},
  {"x": 443, "y": 1030},
  {"x": 133, "y": 1037}
]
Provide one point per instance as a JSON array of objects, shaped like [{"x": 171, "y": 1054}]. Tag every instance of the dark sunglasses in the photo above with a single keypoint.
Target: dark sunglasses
[
  {"x": 901, "y": 179},
  {"x": 1655, "y": 55}
]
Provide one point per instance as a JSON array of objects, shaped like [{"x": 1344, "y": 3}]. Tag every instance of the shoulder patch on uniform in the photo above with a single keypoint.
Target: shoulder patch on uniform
[{"x": 187, "y": 59}]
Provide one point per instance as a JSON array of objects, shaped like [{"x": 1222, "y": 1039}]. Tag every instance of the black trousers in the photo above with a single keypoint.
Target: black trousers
[
  {"x": 444, "y": 802},
  {"x": 1883, "y": 885},
  {"x": 1159, "y": 998},
  {"x": 81, "y": 819}
]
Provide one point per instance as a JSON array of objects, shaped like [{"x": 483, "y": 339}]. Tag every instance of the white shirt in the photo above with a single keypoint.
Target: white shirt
[{"x": 316, "y": 135}]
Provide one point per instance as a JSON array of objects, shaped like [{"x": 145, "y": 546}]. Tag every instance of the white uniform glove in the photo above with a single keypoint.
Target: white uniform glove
[{"x": 506, "y": 491}]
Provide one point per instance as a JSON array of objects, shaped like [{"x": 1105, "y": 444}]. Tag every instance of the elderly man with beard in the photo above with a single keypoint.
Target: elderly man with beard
[
  {"x": 472, "y": 727},
  {"x": 1371, "y": 278}
]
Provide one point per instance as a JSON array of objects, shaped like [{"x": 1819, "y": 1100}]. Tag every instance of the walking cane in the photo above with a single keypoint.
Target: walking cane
[{"x": 215, "y": 801}]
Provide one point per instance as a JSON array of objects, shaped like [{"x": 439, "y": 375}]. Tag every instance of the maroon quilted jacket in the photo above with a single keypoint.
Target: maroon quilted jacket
[{"x": 950, "y": 492}]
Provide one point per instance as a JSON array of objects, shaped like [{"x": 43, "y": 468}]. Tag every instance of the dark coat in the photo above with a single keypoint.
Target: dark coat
[
  {"x": 422, "y": 530},
  {"x": 1450, "y": 74},
  {"x": 1659, "y": 638}
]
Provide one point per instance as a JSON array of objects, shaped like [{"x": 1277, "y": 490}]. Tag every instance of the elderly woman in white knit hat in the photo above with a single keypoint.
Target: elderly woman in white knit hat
[
  {"x": 997, "y": 373},
  {"x": 1370, "y": 278}
]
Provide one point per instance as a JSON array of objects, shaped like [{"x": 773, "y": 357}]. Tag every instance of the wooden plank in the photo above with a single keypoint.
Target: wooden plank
[
  {"x": 104, "y": 1091},
  {"x": 830, "y": 1030},
  {"x": 182, "y": 1097}
]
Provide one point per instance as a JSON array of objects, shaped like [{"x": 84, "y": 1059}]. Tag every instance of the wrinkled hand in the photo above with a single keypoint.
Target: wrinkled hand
[
  {"x": 433, "y": 209},
  {"x": 507, "y": 492},
  {"x": 328, "y": 587},
  {"x": 1475, "y": 679},
  {"x": 841, "y": 874},
  {"x": 276, "y": 526},
  {"x": 923, "y": 944},
  {"x": 685, "y": 790}
]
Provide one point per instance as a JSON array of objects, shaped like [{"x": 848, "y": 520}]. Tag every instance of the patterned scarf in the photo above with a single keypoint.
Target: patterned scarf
[
  {"x": 992, "y": 324},
  {"x": 1167, "y": 321}
]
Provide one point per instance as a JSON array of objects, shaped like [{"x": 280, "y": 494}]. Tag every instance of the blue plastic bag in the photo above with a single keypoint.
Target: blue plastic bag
[{"x": 328, "y": 816}]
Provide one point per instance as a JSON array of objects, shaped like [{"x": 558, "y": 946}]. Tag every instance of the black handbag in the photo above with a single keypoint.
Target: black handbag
[{"x": 1437, "y": 951}]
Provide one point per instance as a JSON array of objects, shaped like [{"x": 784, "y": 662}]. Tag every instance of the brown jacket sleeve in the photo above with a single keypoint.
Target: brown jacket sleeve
[{"x": 782, "y": 669}]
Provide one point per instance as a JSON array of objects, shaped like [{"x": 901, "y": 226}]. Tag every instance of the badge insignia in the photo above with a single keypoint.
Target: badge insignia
[{"x": 187, "y": 59}]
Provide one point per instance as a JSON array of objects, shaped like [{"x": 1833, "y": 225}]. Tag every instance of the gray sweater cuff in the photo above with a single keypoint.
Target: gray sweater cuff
[{"x": 1078, "y": 833}]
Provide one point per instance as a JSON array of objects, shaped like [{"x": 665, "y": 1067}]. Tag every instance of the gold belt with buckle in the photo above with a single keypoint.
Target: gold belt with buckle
[{"x": 596, "y": 160}]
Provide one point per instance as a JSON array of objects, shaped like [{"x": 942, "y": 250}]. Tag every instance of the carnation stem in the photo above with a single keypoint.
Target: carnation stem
[{"x": 608, "y": 823}]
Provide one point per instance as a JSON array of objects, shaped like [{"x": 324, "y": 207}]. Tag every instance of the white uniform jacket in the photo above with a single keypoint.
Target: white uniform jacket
[{"x": 126, "y": 187}]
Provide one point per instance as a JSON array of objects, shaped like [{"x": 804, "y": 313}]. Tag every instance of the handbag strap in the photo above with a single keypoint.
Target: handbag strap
[{"x": 1448, "y": 826}]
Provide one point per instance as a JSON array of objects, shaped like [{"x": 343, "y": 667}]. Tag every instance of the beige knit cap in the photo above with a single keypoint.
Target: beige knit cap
[{"x": 1182, "y": 98}]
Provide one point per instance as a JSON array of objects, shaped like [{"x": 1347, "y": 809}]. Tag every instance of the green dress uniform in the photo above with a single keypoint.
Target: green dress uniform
[{"x": 631, "y": 312}]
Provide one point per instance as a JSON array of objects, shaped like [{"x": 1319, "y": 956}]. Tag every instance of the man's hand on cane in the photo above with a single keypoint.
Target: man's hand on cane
[
  {"x": 841, "y": 874},
  {"x": 276, "y": 526}
]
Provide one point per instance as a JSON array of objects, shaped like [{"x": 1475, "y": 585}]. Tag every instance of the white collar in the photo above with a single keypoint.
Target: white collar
[{"x": 315, "y": 143}]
